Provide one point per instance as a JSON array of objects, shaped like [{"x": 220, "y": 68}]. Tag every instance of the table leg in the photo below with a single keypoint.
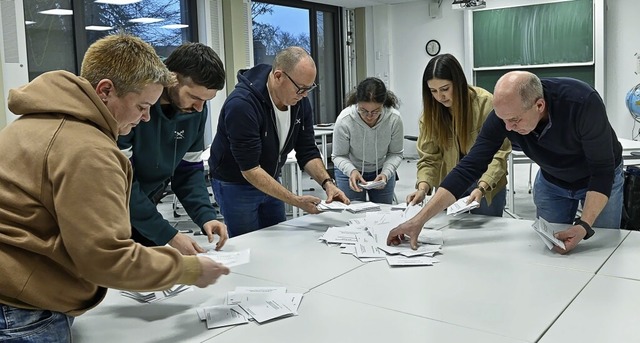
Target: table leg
[{"x": 324, "y": 150}]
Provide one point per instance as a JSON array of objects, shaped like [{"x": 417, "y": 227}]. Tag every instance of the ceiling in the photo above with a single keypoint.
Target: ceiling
[{"x": 360, "y": 3}]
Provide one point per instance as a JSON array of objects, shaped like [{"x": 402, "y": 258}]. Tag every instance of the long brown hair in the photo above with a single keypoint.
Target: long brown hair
[{"x": 439, "y": 123}]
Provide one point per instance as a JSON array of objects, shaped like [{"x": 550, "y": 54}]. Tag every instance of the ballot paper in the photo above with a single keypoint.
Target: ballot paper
[
  {"x": 149, "y": 297},
  {"x": 399, "y": 260},
  {"x": 461, "y": 206},
  {"x": 341, "y": 234},
  {"x": 367, "y": 248},
  {"x": 229, "y": 258},
  {"x": 372, "y": 184},
  {"x": 268, "y": 309},
  {"x": 224, "y": 315},
  {"x": 546, "y": 231},
  {"x": 351, "y": 250},
  {"x": 404, "y": 249}
]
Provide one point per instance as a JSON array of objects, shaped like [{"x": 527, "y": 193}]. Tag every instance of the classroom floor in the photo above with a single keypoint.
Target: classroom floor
[{"x": 405, "y": 185}]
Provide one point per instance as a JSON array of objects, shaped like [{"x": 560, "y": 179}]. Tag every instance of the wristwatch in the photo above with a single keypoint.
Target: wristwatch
[
  {"x": 586, "y": 226},
  {"x": 327, "y": 180}
]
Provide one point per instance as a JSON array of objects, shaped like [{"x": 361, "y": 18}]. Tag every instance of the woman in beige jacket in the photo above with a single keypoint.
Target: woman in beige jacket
[{"x": 452, "y": 116}]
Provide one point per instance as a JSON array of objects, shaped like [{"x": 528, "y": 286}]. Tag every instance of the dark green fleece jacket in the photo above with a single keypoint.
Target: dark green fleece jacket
[{"x": 161, "y": 150}]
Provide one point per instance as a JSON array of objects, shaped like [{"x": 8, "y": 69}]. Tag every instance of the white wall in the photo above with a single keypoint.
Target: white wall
[
  {"x": 410, "y": 28},
  {"x": 622, "y": 41}
]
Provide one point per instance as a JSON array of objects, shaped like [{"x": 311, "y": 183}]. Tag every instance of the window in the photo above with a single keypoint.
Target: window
[
  {"x": 58, "y": 32},
  {"x": 316, "y": 28}
]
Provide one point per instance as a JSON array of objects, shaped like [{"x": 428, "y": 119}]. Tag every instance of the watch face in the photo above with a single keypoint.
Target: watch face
[{"x": 433, "y": 47}]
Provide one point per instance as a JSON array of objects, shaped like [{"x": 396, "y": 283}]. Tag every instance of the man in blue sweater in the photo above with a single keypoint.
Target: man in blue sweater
[
  {"x": 168, "y": 148},
  {"x": 562, "y": 125},
  {"x": 265, "y": 117}
]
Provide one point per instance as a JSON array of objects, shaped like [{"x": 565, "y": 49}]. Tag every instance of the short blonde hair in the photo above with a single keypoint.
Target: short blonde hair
[{"x": 129, "y": 62}]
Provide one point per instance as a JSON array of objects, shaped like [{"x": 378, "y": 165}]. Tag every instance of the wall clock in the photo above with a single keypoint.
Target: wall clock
[{"x": 432, "y": 47}]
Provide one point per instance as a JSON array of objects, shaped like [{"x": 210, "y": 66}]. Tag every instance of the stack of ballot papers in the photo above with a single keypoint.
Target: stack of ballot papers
[
  {"x": 353, "y": 208},
  {"x": 363, "y": 207},
  {"x": 332, "y": 206},
  {"x": 366, "y": 239},
  {"x": 546, "y": 231},
  {"x": 373, "y": 184},
  {"x": 461, "y": 206},
  {"x": 228, "y": 258},
  {"x": 260, "y": 304},
  {"x": 149, "y": 297}
]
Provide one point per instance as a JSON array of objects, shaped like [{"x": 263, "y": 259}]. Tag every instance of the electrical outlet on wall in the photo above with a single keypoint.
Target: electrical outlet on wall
[{"x": 637, "y": 68}]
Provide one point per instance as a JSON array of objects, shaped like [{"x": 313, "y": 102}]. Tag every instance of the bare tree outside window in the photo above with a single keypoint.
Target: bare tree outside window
[{"x": 268, "y": 38}]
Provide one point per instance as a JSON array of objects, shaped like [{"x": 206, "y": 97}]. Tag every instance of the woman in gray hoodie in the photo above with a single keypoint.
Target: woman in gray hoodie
[{"x": 367, "y": 143}]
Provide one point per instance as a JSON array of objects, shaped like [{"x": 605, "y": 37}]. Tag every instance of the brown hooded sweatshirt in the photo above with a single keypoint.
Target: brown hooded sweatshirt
[{"x": 64, "y": 204}]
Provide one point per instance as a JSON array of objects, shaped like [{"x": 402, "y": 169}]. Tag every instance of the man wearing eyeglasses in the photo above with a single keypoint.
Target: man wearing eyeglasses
[
  {"x": 267, "y": 116},
  {"x": 562, "y": 125}
]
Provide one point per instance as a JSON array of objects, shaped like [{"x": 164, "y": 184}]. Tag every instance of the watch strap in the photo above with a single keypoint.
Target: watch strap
[
  {"x": 586, "y": 226},
  {"x": 324, "y": 182}
]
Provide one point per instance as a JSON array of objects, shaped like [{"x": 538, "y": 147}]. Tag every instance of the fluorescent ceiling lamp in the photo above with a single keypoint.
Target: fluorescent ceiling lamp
[
  {"x": 29, "y": 22},
  {"x": 174, "y": 26},
  {"x": 117, "y": 2},
  {"x": 145, "y": 20},
  {"x": 57, "y": 11},
  {"x": 98, "y": 28}
]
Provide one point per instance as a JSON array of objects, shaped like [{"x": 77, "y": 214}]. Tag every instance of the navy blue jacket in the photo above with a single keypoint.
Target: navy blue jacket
[
  {"x": 576, "y": 149},
  {"x": 247, "y": 135},
  {"x": 160, "y": 150}
]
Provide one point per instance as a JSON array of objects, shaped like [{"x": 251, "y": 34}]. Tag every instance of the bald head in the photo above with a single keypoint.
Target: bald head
[
  {"x": 288, "y": 58},
  {"x": 515, "y": 86},
  {"x": 292, "y": 77},
  {"x": 519, "y": 101}
]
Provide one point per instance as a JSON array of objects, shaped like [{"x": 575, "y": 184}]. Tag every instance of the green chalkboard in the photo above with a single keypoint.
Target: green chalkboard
[
  {"x": 560, "y": 32},
  {"x": 487, "y": 78}
]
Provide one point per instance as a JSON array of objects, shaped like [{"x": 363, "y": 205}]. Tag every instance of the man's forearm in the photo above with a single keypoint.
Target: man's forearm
[
  {"x": 593, "y": 205},
  {"x": 440, "y": 200},
  {"x": 315, "y": 168},
  {"x": 261, "y": 180}
]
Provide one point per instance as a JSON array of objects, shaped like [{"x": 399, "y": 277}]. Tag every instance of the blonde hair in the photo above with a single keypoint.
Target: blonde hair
[{"x": 129, "y": 62}]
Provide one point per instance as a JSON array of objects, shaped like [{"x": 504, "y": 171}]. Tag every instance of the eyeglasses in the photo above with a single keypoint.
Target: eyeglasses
[
  {"x": 300, "y": 90},
  {"x": 374, "y": 113}
]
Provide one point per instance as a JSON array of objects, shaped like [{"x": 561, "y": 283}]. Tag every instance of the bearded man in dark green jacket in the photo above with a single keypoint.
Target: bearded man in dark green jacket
[{"x": 168, "y": 148}]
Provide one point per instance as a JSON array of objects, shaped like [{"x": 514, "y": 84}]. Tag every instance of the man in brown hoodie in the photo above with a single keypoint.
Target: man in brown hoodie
[{"x": 64, "y": 194}]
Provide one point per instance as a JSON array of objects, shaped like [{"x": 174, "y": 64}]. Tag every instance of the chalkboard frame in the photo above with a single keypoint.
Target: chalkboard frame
[
  {"x": 561, "y": 33},
  {"x": 588, "y": 71}
]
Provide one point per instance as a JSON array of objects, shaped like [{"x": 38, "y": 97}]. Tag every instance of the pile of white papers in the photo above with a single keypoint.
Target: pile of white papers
[
  {"x": 366, "y": 239},
  {"x": 461, "y": 206},
  {"x": 363, "y": 207},
  {"x": 149, "y": 297},
  {"x": 261, "y": 304},
  {"x": 546, "y": 231},
  {"x": 373, "y": 184},
  {"x": 332, "y": 206},
  {"x": 228, "y": 258},
  {"x": 353, "y": 208}
]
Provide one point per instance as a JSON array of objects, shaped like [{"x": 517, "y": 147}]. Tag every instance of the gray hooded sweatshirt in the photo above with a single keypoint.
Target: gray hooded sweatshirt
[{"x": 368, "y": 149}]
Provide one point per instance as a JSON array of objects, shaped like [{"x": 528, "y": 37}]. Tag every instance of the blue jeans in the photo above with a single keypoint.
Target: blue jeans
[
  {"x": 246, "y": 208},
  {"x": 33, "y": 326},
  {"x": 381, "y": 196},
  {"x": 559, "y": 205},
  {"x": 496, "y": 208}
]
